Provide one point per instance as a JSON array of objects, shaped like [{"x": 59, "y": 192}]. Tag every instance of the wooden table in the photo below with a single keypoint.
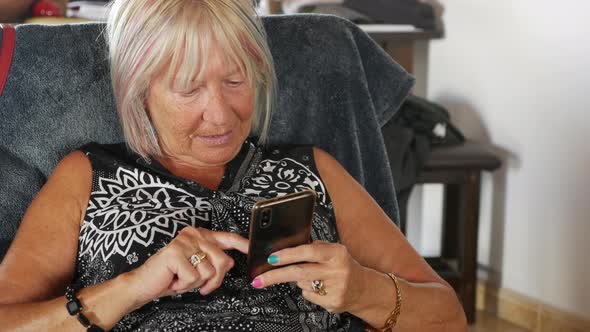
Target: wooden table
[
  {"x": 458, "y": 169},
  {"x": 408, "y": 48}
]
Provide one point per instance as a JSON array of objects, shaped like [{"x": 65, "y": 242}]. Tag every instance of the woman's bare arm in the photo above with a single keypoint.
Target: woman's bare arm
[
  {"x": 104, "y": 305},
  {"x": 429, "y": 303},
  {"x": 40, "y": 262}
]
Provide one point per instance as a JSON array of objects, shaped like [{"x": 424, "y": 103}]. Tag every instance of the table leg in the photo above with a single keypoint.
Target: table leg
[
  {"x": 450, "y": 222},
  {"x": 459, "y": 235},
  {"x": 469, "y": 226}
]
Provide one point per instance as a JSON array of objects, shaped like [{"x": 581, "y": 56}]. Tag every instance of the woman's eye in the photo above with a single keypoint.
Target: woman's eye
[
  {"x": 190, "y": 92},
  {"x": 235, "y": 83}
]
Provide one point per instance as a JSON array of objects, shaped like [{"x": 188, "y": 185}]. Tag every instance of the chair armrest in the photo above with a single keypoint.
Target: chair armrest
[{"x": 7, "y": 38}]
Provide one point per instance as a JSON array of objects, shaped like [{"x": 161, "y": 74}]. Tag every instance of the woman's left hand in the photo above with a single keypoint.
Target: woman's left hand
[{"x": 343, "y": 277}]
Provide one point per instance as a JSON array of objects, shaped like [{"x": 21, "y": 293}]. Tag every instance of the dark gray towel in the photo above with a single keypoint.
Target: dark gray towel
[
  {"x": 19, "y": 182},
  {"x": 337, "y": 88}
]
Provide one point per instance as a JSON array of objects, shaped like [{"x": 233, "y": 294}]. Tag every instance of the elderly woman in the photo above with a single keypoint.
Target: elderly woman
[{"x": 151, "y": 234}]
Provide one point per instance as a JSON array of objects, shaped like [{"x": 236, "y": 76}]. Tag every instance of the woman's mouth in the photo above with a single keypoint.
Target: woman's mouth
[{"x": 220, "y": 139}]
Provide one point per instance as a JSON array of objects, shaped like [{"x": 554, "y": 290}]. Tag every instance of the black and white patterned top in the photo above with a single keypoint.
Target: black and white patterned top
[{"x": 137, "y": 206}]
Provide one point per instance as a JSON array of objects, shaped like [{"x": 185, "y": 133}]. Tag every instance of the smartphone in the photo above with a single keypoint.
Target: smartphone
[{"x": 279, "y": 223}]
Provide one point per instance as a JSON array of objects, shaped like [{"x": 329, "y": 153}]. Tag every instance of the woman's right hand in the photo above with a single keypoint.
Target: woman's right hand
[{"x": 170, "y": 271}]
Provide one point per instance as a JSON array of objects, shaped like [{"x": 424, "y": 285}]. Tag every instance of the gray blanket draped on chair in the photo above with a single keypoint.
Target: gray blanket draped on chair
[{"x": 336, "y": 89}]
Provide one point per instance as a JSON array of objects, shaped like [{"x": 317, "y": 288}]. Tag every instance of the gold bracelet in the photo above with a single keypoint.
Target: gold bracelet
[{"x": 392, "y": 320}]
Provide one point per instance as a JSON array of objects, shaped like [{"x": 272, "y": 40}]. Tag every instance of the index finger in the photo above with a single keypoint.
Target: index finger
[{"x": 227, "y": 240}]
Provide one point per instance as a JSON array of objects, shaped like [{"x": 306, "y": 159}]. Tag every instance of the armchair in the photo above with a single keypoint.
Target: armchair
[{"x": 336, "y": 89}]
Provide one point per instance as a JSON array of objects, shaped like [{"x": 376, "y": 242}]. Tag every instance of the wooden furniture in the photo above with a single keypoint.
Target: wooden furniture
[
  {"x": 408, "y": 48},
  {"x": 459, "y": 169},
  {"x": 274, "y": 6}
]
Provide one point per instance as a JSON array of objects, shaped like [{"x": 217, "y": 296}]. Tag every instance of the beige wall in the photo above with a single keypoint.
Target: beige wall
[{"x": 517, "y": 73}]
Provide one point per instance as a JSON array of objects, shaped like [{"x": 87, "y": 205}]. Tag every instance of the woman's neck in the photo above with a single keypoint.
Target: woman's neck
[{"x": 209, "y": 177}]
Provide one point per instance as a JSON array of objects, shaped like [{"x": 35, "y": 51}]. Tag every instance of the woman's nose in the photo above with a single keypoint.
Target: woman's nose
[{"x": 217, "y": 110}]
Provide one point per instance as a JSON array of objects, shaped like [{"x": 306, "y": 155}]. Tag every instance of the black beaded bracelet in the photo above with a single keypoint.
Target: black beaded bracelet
[{"x": 75, "y": 308}]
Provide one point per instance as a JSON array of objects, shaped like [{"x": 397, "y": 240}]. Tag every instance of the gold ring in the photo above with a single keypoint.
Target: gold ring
[
  {"x": 318, "y": 287},
  {"x": 197, "y": 258}
]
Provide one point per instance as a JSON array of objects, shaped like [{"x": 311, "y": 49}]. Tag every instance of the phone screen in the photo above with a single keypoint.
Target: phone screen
[{"x": 279, "y": 223}]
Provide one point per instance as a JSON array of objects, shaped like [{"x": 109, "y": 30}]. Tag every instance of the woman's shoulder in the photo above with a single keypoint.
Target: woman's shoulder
[
  {"x": 115, "y": 149},
  {"x": 107, "y": 155},
  {"x": 287, "y": 149}
]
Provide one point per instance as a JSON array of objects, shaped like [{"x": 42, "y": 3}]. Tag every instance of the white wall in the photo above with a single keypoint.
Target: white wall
[{"x": 517, "y": 73}]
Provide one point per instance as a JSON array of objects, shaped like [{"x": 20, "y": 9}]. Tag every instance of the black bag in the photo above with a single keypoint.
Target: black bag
[
  {"x": 429, "y": 120},
  {"x": 409, "y": 135}
]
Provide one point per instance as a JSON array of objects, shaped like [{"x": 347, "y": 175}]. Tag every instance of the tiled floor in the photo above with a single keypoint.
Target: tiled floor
[{"x": 488, "y": 323}]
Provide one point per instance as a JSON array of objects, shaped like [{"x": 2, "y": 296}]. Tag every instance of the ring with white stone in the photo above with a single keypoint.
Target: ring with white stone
[
  {"x": 318, "y": 287},
  {"x": 197, "y": 258}
]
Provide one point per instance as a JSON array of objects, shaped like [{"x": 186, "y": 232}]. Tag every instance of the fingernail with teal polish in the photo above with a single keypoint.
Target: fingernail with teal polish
[
  {"x": 257, "y": 283},
  {"x": 273, "y": 259}
]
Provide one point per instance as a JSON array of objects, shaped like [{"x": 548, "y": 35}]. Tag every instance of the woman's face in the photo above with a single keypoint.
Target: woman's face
[{"x": 205, "y": 125}]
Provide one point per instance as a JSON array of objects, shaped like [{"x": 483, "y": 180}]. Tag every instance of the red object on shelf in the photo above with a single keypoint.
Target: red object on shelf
[
  {"x": 7, "y": 40},
  {"x": 46, "y": 8}
]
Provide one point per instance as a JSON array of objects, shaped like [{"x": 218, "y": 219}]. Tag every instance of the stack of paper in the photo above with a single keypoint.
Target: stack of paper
[{"x": 391, "y": 28}]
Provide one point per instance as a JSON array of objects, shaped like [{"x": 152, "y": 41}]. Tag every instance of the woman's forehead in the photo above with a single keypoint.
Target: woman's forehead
[{"x": 201, "y": 62}]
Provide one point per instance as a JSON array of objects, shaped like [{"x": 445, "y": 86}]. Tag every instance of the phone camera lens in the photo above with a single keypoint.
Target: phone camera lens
[{"x": 265, "y": 219}]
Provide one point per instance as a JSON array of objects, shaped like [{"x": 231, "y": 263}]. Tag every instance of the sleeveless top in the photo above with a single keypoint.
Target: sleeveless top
[{"x": 137, "y": 206}]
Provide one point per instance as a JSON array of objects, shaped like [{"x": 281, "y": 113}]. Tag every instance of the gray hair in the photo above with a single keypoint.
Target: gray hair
[{"x": 145, "y": 36}]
